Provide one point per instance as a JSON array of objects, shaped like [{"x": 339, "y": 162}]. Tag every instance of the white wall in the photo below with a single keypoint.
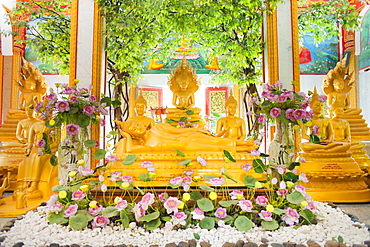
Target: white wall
[{"x": 364, "y": 92}]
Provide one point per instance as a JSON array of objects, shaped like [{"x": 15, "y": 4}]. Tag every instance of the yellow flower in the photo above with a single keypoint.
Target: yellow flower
[
  {"x": 62, "y": 194},
  {"x": 289, "y": 184},
  {"x": 226, "y": 159},
  {"x": 118, "y": 199},
  {"x": 186, "y": 196},
  {"x": 181, "y": 205},
  {"x": 297, "y": 127},
  {"x": 72, "y": 174},
  {"x": 270, "y": 208},
  {"x": 152, "y": 174},
  {"x": 125, "y": 185},
  {"x": 258, "y": 185},
  {"x": 196, "y": 178},
  {"x": 98, "y": 117},
  {"x": 213, "y": 195},
  {"x": 309, "y": 123},
  {"x": 84, "y": 188},
  {"x": 80, "y": 162},
  {"x": 304, "y": 204},
  {"x": 57, "y": 84},
  {"x": 177, "y": 126},
  {"x": 92, "y": 204},
  {"x": 52, "y": 122},
  {"x": 76, "y": 81}
]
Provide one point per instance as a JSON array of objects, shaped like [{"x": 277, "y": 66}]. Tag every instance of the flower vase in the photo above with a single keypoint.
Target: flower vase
[
  {"x": 283, "y": 145},
  {"x": 70, "y": 151}
]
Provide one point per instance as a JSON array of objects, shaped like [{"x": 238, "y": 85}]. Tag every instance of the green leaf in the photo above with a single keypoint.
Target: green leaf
[
  {"x": 279, "y": 211},
  {"x": 83, "y": 121},
  {"x": 293, "y": 165},
  {"x": 145, "y": 177},
  {"x": 229, "y": 156},
  {"x": 185, "y": 162},
  {"x": 110, "y": 211},
  {"x": 179, "y": 152},
  {"x": 290, "y": 176},
  {"x": 166, "y": 218},
  {"x": 270, "y": 225},
  {"x": 106, "y": 100},
  {"x": 141, "y": 192},
  {"x": 242, "y": 223},
  {"x": 113, "y": 132},
  {"x": 195, "y": 195},
  {"x": 183, "y": 119},
  {"x": 250, "y": 181},
  {"x": 73, "y": 110},
  {"x": 150, "y": 217},
  {"x": 207, "y": 178},
  {"x": 227, "y": 204},
  {"x": 54, "y": 160},
  {"x": 90, "y": 143},
  {"x": 308, "y": 216},
  {"x": 84, "y": 212},
  {"x": 189, "y": 112},
  {"x": 340, "y": 239},
  {"x": 59, "y": 188},
  {"x": 154, "y": 224},
  {"x": 196, "y": 236},
  {"x": 206, "y": 188},
  {"x": 258, "y": 166},
  {"x": 57, "y": 219},
  {"x": 314, "y": 139},
  {"x": 207, "y": 223},
  {"x": 205, "y": 204},
  {"x": 230, "y": 178},
  {"x": 129, "y": 160},
  {"x": 94, "y": 183},
  {"x": 99, "y": 154},
  {"x": 78, "y": 222},
  {"x": 124, "y": 219},
  {"x": 295, "y": 198}
]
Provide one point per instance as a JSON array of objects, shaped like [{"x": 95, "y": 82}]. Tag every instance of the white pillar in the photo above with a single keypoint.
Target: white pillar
[{"x": 6, "y": 40}]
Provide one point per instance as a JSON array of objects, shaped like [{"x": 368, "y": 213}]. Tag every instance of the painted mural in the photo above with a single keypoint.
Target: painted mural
[
  {"x": 317, "y": 59},
  {"x": 364, "y": 58}
]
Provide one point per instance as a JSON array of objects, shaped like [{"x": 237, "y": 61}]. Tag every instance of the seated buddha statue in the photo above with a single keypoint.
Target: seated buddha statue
[
  {"x": 231, "y": 126},
  {"x": 164, "y": 138},
  {"x": 324, "y": 130},
  {"x": 140, "y": 108},
  {"x": 24, "y": 126}
]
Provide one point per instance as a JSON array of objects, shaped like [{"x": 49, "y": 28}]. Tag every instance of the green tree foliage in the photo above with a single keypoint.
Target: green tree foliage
[
  {"x": 48, "y": 34},
  {"x": 321, "y": 18}
]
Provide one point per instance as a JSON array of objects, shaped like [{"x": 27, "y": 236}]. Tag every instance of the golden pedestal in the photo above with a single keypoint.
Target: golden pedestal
[
  {"x": 167, "y": 167},
  {"x": 176, "y": 114},
  {"x": 334, "y": 177},
  {"x": 11, "y": 155}
]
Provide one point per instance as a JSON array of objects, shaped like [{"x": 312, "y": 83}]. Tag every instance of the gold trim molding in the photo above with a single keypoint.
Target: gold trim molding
[
  {"x": 73, "y": 43},
  {"x": 272, "y": 48},
  {"x": 295, "y": 44}
]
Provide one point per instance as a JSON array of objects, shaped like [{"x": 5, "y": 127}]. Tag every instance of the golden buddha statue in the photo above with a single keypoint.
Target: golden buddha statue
[
  {"x": 163, "y": 137},
  {"x": 36, "y": 167},
  {"x": 24, "y": 125},
  {"x": 4, "y": 186},
  {"x": 231, "y": 126},
  {"x": 323, "y": 128},
  {"x": 140, "y": 108},
  {"x": 337, "y": 85}
]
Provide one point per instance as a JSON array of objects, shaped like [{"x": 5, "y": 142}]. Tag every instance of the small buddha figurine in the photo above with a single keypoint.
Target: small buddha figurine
[
  {"x": 231, "y": 126},
  {"x": 164, "y": 138},
  {"x": 183, "y": 83},
  {"x": 24, "y": 125},
  {"x": 324, "y": 130},
  {"x": 140, "y": 108}
]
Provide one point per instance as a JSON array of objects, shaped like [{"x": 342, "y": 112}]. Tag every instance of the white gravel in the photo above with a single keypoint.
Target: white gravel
[{"x": 34, "y": 230}]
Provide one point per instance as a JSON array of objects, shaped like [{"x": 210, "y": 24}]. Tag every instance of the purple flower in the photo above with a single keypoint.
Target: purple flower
[
  {"x": 127, "y": 179},
  {"x": 282, "y": 192},
  {"x": 62, "y": 106},
  {"x": 68, "y": 90},
  {"x": 78, "y": 195},
  {"x": 261, "y": 200},
  {"x": 288, "y": 94},
  {"x": 179, "y": 218},
  {"x": 220, "y": 213},
  {"x": 182, "y": 124},
  {"x": 236, "y": 194},
  {"x": 275, "y": 112},
  {"x": 146, "y": 164},
  {"x": 104, "y": 187},
  {"x": 323, "y": 98},
  {"x": 171, "y": 204},
  {"x": 202, "y": 161},
  {"x": 247, "y": 167},
  {"x": 289, "y": 114},
  {"x": 139, "y": 211},
  {"x": 57, "y": 207},
  {"x": 315, "y": 130},
  {"x": 303, "y": 177},
  {"x": 95, "y": 211},
  {"x": 92, "y": 98},
  {"x": 103, "y": 111},
  {"x": 281, "y": 99},
  {"x": 72, "y": 129},
  {"x": 51, "y": 97},
  {"x": 161, "y": 197},
  {"x": 168, "y": 225},
  {"x": 265, "y": 215},
  {"x": 121, "y": 205},
  {"x": 52, "y": 200},
  {"x": 262, "y": 118},
  {"x": 73, "y": 99},
  {"x": 111, "y": 158},
  {"x": 255, "y": 152},
  {"x": 100, "y": 221},
  {"x": 147, "y": 200},
  {"x": 281, "y": 169},
  {"x": 274, "y": 180},
  {"x": 70, "y": 211},
  {"x": 302, "y": 159},
  {"x": 176, "y": 181},
  {"x": 291, "y": 216},
  {"x": 114, "y": 176},
  {"x": 245, "y": 205},
  {"x": 85, "y": 171},
  {"x": 217, "y": 181},
  {"x": 102, "y": 122},
  {"x": 41, "y": 143},
  {"x": 198, "y": 214},
  {"x": 189, "y": 172},
  {"x": 299, "y": 114},
  {"x": 186, "y": 180},
  {"x": 88, "y": 110}
]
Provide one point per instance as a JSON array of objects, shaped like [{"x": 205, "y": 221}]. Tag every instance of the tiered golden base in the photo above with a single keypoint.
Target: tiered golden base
[
  {"x": 9, "y": 209},
  {"x": 359, "y": 128},
  {"x": 334, "y": 177},
  {"x": 167, "y": 167},
  {"x": 176, "y": 114}
]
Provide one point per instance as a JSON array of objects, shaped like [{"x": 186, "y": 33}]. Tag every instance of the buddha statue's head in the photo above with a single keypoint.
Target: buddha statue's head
[
  {"x": 231, "y": 104},
  {"x": 337, "y": 109},
  {"x": 134, "y": 128},
  {"x": 338, "y": 84},
  {"x": 30, "y": 112},
  {"x": 183, "y": 78},
  {"x": 140, "y": 104},
  {"x": 316, "y": 103}
]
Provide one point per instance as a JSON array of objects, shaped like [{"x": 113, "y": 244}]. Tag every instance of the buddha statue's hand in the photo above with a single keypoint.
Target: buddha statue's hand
[{"x": 205, "y": 132}]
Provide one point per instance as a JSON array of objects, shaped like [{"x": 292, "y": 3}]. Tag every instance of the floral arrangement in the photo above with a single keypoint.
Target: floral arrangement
[
  {"x": 185, "y": 121},
  {"x": 75, "y": 108},
  {"x": 278, "y": 103},
  {"x": 208, "y": 204}
]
